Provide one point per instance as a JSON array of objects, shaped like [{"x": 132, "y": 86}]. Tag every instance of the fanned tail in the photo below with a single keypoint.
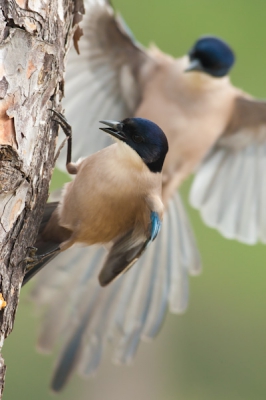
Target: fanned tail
[{"x": 127, "y": 311}]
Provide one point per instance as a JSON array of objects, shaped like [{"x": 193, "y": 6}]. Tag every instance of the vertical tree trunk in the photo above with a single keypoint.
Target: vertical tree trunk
[{"x": 34, "y": 38}]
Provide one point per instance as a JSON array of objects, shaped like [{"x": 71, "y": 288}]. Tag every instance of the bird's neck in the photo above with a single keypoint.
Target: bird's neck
[
  {"x": 131, "y": 157},
  {"x": 128, "y": 156},
  {"x": 200, "y": 81}
]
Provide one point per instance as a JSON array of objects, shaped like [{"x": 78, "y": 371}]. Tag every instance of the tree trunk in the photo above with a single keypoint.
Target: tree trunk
[{"x": 34, "y": 38}]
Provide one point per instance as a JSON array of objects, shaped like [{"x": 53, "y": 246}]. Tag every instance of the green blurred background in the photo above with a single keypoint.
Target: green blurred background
[{"x": 217, "y": 349}]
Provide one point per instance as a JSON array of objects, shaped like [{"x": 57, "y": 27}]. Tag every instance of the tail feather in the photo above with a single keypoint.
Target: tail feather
[
  {"x": 159, "y": 301},
  {"x": 91, "y": 356},
  {"x": 129, "y": 310},
  {"x": 137, "y": 311},
  {"x": 67, "y": 318},
  {"x": 67, "y": 362},
  {"x": 179, "y": 291},
  {"x": 72, "y": 351},
  {"x": 189, "y": 251},
  {"x": 96, "y": 330}
]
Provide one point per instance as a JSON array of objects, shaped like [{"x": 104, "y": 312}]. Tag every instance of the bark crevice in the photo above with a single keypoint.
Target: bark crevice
[{"x": 34, "y": 38}]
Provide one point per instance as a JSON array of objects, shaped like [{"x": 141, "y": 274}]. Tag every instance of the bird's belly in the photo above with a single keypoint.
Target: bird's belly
[
  {"x": 108, "y": 226},
  {"x": 106, "y": 218}
]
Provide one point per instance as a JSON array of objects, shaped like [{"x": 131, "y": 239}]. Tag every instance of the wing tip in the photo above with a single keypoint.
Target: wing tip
[{"x": 105, "y": 276}]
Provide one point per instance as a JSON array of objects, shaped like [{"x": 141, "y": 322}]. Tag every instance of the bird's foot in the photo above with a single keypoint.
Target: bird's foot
[
  {"x": 33, "y": 259},
  {"x": 36, "y": 262},
  {"x": 61, "y": 120}
]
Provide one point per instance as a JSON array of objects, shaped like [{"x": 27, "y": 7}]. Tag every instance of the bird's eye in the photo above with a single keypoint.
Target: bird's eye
[{"x": 137, "y": 138}]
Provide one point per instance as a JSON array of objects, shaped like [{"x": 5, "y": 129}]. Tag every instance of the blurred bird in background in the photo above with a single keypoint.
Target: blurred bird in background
[
  {"x": 211, "y": 126},
  {"x": 114, "y": 200}
]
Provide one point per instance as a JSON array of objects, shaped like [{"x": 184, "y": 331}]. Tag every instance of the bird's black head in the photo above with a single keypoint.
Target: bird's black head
[
  {"x": 212, "y": 56},
  {"x": 143, "y": 136}
]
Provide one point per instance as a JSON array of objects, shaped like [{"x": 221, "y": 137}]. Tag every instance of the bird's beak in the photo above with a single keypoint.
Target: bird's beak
[
  {"x": 195, "y": 65},
  {"x": 115, "y": 129}
]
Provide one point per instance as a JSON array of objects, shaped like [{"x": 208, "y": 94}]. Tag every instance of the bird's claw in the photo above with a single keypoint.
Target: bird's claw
[
  {"x": 61, "y": 120},
  {"x": 32, "y": 259}
]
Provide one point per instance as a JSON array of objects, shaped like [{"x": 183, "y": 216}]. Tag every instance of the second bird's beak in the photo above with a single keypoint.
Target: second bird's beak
[
  {"x": 115, "y": 129},
  {"x": 195, "y": 65}
]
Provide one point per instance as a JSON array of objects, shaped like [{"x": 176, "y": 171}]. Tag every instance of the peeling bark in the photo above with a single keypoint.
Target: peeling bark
[{"x": 34, "y": 38}]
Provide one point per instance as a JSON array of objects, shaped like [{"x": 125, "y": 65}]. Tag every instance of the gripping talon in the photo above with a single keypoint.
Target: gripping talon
[
  {"x": 32, "y": 259},
  {"x": 61, "y": 120},
  {"x": 36, "y": 262}
]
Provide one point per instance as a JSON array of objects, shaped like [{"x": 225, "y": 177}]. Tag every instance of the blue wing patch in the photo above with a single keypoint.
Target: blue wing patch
[{"x": 155, "y": 226}]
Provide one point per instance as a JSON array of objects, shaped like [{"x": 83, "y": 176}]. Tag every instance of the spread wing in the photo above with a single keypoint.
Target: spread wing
[
  {"x": 132, "y": 308},
  {"x": 102, "y": 82},
  {"x": 229, "y": 188},
  {"x": 126, "y": 251}
]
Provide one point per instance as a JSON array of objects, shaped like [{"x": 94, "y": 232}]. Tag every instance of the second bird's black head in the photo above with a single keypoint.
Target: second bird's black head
[
  {"x": 212, "y": 56},
  {"x": 143, "y": 136}
]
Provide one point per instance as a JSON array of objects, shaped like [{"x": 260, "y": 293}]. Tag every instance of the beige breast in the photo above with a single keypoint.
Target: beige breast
[
  {"x": 108, "y": 195},
  {"x": 192, "y": 109}
]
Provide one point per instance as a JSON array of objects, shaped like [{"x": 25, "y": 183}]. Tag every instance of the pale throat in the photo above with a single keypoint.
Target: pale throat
[
  {"x": 129, "y": 156},
  {"x": 197, "y": 80}
]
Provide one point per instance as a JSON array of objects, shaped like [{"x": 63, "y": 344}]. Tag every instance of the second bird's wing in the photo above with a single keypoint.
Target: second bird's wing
[
  {"x": 84, "y": 316},
  {"x": 230, "y": 186},
  {"x": 102, "y": 81}
]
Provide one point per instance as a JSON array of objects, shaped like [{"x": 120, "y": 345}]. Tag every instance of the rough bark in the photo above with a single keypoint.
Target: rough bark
[{"x": 34, "y": 38}]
